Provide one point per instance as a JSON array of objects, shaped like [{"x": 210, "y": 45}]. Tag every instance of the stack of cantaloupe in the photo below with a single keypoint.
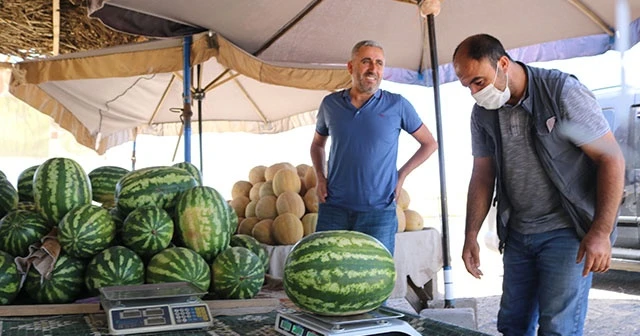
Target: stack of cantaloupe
[
  {"x": 408, "y": 220},
  {"x": 278, "y": 204}
]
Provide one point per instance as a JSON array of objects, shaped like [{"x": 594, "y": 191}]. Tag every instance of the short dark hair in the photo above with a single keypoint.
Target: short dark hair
[{"x": 482, "y": 46}]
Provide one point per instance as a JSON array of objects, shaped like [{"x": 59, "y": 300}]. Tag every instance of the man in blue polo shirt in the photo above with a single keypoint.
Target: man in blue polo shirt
[{"x": 358, "y": 188}]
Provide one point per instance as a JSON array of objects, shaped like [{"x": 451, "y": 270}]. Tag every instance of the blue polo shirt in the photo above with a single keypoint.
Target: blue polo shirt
[{"x": 362, "y": 169}]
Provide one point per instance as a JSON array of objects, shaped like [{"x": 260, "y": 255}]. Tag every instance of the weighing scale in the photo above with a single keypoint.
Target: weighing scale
[
  {"x": 380, "y": 321},
  {"x": 154, "y": 307}
]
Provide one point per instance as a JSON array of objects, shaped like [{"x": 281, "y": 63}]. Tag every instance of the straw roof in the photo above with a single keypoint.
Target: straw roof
[{"x": 28, "y": 29}]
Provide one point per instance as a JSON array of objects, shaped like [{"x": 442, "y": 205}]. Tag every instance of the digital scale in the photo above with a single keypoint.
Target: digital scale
[
  {"x": 154, "y": 307},
  {"x": 381, "y": 321}
]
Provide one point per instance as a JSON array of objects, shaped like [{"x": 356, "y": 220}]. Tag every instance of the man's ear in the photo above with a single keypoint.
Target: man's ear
[{"x": 350, "y": 67}]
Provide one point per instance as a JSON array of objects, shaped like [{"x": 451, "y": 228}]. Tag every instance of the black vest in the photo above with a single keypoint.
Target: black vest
[{"x": 570, "y": 170}]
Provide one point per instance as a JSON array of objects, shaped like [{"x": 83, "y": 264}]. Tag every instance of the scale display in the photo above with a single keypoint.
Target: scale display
[
  {"x": 154, "y": 307},
  {"x": 377, "y": 322}
]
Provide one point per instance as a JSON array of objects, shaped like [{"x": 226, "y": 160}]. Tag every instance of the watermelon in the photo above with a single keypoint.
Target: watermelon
[
  {"x": 203, "y": 223},
  {"x": 178, "y": 264},
  {"x": 86, "y": 230},
  {"x": 65, "y": 283},
  {"x": 2, "y": 176},
  {"x": 9, "y": 279},
  {"x": 26, "y": 205},
  {"x": 158, "y": 186},
  {"x": 103, "y": 182},
  {"x": 115, "y": 266},
  {"x": 237, "y": 273},
  {"x": 8, "y": 197},
  {"x": 25, "y": 184},
  {"x": 147, "y": 230},
  {"x": 233, "y": 219},
  {"x": 59, "y": 185},
  {"x": 192, "y": 169},
  {"x": 252, "y": 244},
  {"x": 21, "y": 228},
  {"x": 339, "y": 273}
]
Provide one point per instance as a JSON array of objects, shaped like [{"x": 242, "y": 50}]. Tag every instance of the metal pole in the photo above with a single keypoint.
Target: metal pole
[
  {"x": 186, "y": 109},
  {"x": 199, "y": 95},
  {"x": 449, "y": 301}
]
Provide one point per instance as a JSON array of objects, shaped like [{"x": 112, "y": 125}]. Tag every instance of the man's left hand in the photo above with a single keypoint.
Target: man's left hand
[{"x": 596, "y": 246}]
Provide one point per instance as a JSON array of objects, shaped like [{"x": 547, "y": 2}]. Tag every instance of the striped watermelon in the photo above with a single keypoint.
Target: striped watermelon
[
  {"x": 86, "y": 230},
  {"x": 192, "y": 169},
  {"x": 9, "y": 279},
  {"x": 237, "y": 273},
  {"x": 233, "y": 219},
  {"x": 203, "y": 223},
  {"x": 115, "y": 266},
  {"x": 8, "y": 197},
  {"x": 252, "y": 244},
  {"x": 147, "y": 230},
  {"x": 158, "y": 186},
  {"x": 25, "y": 205},
  {"x": 25, "y": 184},
  {"x": 2, "y": 176},
  {"x": 65, "y": 283},
  {"x": 178, "y": 264},
  {"x": 21, "y": 228},
  {"x": 59, "y": 185},
  {"x": 103, "y": 182},
  {"x": 339, "y": 273}
]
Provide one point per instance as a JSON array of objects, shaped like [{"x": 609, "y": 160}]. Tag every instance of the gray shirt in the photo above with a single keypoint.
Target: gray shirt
[{"x": 535, "y": 201}]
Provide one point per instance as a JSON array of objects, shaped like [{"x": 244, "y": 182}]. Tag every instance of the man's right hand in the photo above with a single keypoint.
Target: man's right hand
[
  {"x": 471, "y": 257},
  {"x": 321, "y": 189}
]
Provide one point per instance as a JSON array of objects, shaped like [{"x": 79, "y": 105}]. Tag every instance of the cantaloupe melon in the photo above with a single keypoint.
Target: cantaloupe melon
[
  {"x": 311, "y": 200},
  {"x": 285, "y": 180},
  {"x": 239, "y": 204},
  {"x": 247, "y": 224},
  {"x": 256, "y": 174},
  {"x": 266, "y": 189},
  {"x": 254, "y": 193},
  {"x": 309, "y": 222},
  {"x": 263, "y": 233},
  {"x": 402, "y": 221},
  {"x": 250, "y": 209},
  {"x": 310, "y": 179},
  {"x": 271, "y": 171},
  {"x": 266, "y": 207},
  {"x": 287, "y": 229},
  {"x": 241, "y": 188},
  {"x": 415, "y": 222},
  {"x": 290, "y": 202},
  {"x": 403, "y": 200}
]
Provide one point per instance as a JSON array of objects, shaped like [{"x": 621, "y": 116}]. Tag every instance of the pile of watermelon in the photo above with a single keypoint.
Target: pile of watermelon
[{"x": 121, "y": 227}]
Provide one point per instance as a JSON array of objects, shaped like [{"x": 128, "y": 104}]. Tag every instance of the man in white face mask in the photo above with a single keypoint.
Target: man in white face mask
[{"x": 544, "y": 151}]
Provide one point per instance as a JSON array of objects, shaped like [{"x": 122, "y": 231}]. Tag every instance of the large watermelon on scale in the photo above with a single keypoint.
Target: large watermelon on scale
[
  {"x": 86, "y": 230},
  {"x": 25, "y": 184},
  {"x": 103, "y": 182},
  {"x": 115, "y": 266},
  {"x": 203, "y": 221},
  {"x": 177, "y": 264},
  {"x": 157, "y": 186},
  {"x": 237, "y": 273},
  {"x": 9, "y": 279},
  {"x": 59, "y": 185},
  {"x": 339, "y": 273},
  {"x": 8, "y": 197},
  {"x": 64, "y": 285},
  {"x": 147, "y": 230},
  {"x": 21, "y": 228}
]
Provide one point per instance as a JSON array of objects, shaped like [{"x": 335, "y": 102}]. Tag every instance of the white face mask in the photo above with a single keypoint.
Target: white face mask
[{"x": 490, "y": 97}]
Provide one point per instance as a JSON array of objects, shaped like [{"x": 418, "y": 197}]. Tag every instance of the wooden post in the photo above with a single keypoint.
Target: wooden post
[{"x": 56, "y": 27}]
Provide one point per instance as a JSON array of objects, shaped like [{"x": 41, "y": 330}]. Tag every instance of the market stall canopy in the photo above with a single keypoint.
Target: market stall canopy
[
  {"x": 105, "y": 97},
  {"x": 320, "y": 31}
]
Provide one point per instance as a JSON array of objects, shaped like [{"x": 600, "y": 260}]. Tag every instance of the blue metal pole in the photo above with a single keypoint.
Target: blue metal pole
[{"x": 186, "y": 110}]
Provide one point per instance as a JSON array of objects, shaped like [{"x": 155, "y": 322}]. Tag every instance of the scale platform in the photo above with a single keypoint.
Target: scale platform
[
  {"x": 380, "y": 321},
  {"x": 154, "y": 307}
]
